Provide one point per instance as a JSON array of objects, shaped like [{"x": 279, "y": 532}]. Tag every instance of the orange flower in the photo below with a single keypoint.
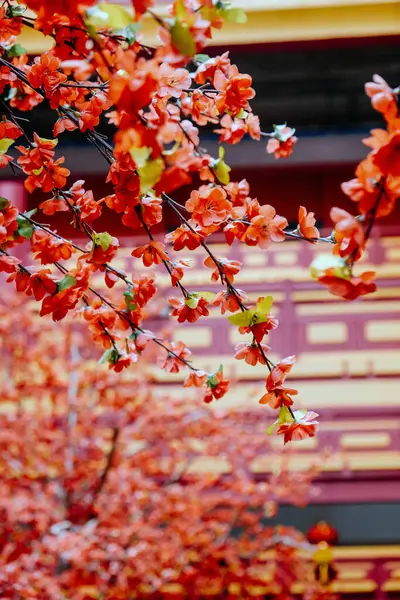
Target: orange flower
[
  {"x": 101, "y": 253},
  {"x": 184, "y": 237},
  {"x": 260, "y": 329},
  {"x": 349, "y": 289},
  {"x": 364, "y": 188},
  {"x": 279, "y": 372},
  {"x": 178, "y": 270},
  {"x": 189, "y": 309},
  {"x": 150, "y": 211},
  {"x": 123, "y": 361},
  {"x": 176, "y": 357},
  {"x": 8, "y": 264},
  {"x": 229, "y": 268},
  {"x": 232, "y": 130},
  {"x": 217, "y": 386},
  {"x": 195, "y": 379},
  {"x": 281, "y": 142},
  {"x": 303, "y": 426},
  {"x": 235, "y": 91},
  {"x": 265, "y": 228},
  {"x": 62, "y": 124},
  {"x": 49, "y": 249},
  {"x": 44, "y": 72},
  {"x": 152, "y": 253},
  {"x": 172, "y": 81},
  {"x": 9, "y": 130},
  {"x": 143, "y": 290},
  {"x": 348, "y": 233},
  {"x": 235, "y": 230},
  {"x": 307, "y": 224},
  {"x": 228, "y": 301},
  {"x": 208, "y": 68},
  {"x": 9, "y": 27},
  {"x": 209, "y": 205},
  {"x": 382, "y": 97},
  {"x": 251, "y": 353},
  {"x": 238, "y": 191},
  {"x": 58, "y": 305},
  {"x": 387, "y": 158},
  {"x": 277, "y": 395}
]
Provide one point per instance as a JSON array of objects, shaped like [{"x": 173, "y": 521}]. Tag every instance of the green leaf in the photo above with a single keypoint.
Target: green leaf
[
  {"x": 221, "y": 169},
  {"x": 213, "y": 380},
  {"x": 242, "y": 114},
  {"x": 192, "y": 300},
  {"x": 201, "y": 58},
  {"x": 5, "y": 143},
  {"x": 234, "y": 15},
  {"x": 130, "y": 300},
  {"x": 130, "y": 32},
  {"x": 30, "y": 213},
  {"x": 65, "y": 283},
  {"x": 140, "y": 155},
  {"x": 182, "y": 39},
  {"x": 285, "y": 416},
  {"x": 37, "y": 171},
  {"x": 107, "y": 16},
  {"x": 150, "y": 174},
  {"x": 209, "y": 296},
  {"x": 109, "y": 356},
  {"x": 25, "y": 228},
  {"x": 242, "y": 319},
  {"x": 264, "y": 305},
  {"x": 103, "y": 239},
  {"x": 3, "y": 203},
  {"x": 270, "y": 429},
  {"x": 15, "y": 11},
  {"x": 338, "y": 265},
  {"x": 180, "y": 10},
  {"x": 16, "y": 50}
]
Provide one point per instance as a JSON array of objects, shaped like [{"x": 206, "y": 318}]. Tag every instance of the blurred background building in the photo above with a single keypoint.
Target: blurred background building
[{"x": 309, "y": 61}]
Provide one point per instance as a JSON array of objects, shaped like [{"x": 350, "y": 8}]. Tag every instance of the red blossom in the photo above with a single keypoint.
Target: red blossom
[{"x": 152, "y": 253}]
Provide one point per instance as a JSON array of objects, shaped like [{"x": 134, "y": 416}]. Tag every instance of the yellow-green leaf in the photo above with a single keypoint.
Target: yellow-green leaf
[
  {"x": 66, "y": 283},
  {"x": 103, "y": 239},
  {"x": 5, "y": 143},
  {"x": 209, "y": 296},
  {"x": 221, "y": 169},
  {"x": 150, "y": 173},
  {"x": 140, "y": 155},
  {"x": 180, "y": 10},
  {"x": 285, "y": 416},
  {"x": 53, "y": 141},
  {"x": 328, "y": 261},
  {"x": 243, "y": 319},
  {"x": 270, "y": 429},
  {"x": 192, "y": 300},
  {"x": 182, "y": 39},
  {"x": 107, "y": 16},
  {"x": 264, "y": 305},
  {"x": 234, "y": 15}
]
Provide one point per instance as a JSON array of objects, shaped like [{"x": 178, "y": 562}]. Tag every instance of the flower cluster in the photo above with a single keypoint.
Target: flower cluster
[
  {"x": 99, "y": 71},
  {"x": 102, "y": 483}
]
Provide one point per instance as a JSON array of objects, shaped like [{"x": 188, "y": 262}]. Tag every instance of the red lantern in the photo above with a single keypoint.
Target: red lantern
[{"x": 322, "y": 532}]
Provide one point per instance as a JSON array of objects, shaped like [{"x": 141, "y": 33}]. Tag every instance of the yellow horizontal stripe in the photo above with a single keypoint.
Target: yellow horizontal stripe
[{"x": 281, "y": 21}]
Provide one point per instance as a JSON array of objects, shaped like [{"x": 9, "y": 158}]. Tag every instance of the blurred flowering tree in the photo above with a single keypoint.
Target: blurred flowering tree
[
  {"x": 157, "y": 99},
  {"x": 109, "y": 491}
]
